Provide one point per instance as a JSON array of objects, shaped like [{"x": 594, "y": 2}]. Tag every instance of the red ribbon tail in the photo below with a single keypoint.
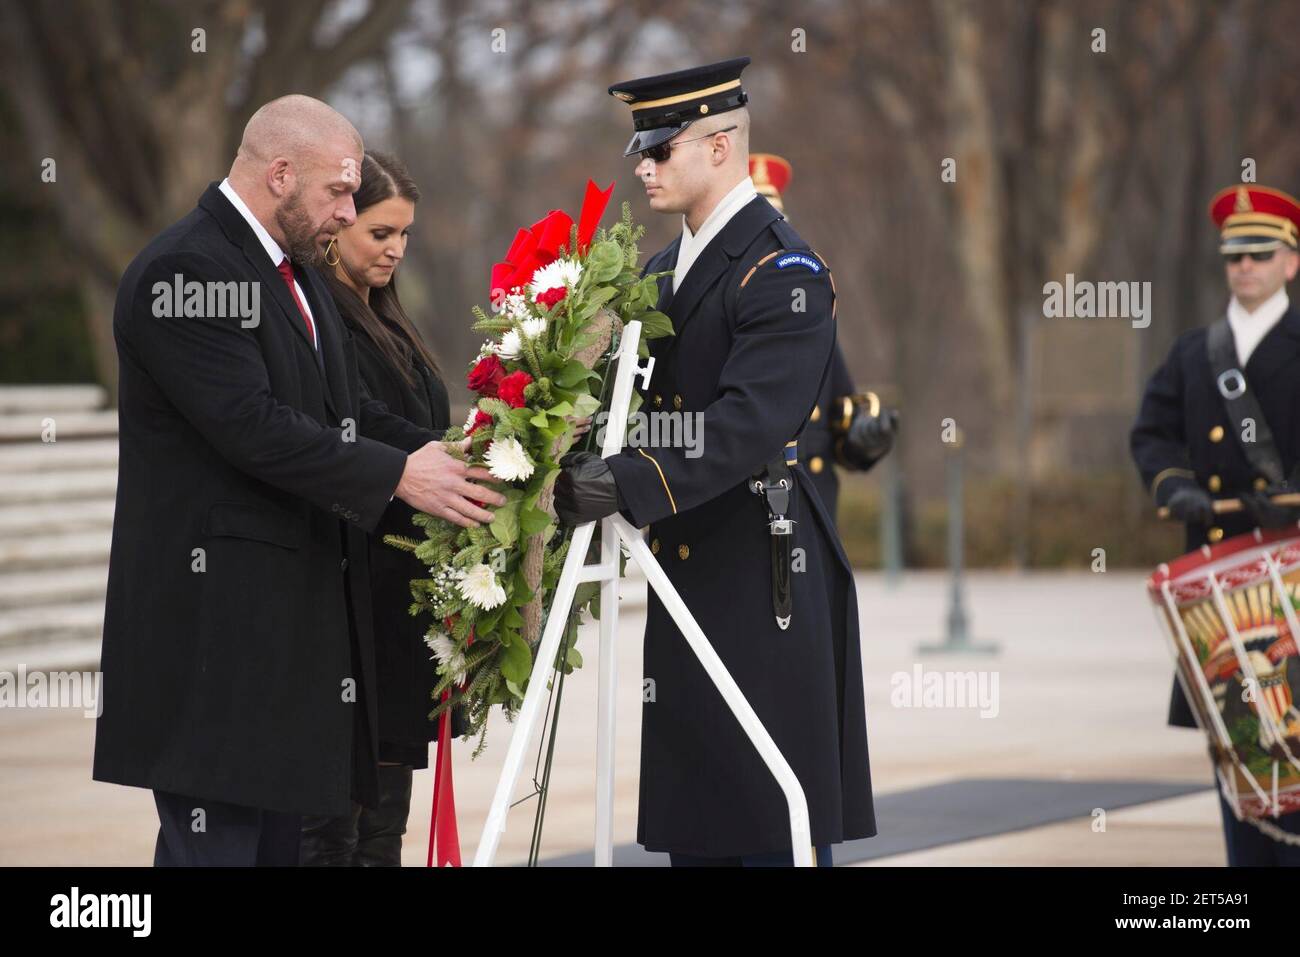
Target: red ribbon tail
[
  {"x": 444, "y": 839},
  {"x": 593, "y": 207}
]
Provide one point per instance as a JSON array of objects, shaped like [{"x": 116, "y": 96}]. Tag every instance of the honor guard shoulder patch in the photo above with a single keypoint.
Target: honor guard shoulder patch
[{"x": 799, "y": 259}]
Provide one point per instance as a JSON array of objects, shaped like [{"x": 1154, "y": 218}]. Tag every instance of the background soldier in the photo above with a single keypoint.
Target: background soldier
[
  {"x": 1190, "y": 444},
  {"x": 847, "y": 428}
]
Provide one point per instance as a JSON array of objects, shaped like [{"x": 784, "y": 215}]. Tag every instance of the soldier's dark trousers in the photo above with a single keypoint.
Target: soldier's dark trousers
[{"x": 1248, "y": 846}]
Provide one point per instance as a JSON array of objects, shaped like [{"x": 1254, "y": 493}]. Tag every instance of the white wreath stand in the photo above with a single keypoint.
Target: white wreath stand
[{"x": 614, "y": 529}]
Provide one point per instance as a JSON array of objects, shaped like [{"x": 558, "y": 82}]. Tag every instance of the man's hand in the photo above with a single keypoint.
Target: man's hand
[
  {"x": 1192, "y": 504},
  {"x": 585, "y": 490},
  {"x": 581, "y": 426},
  {"x": 440, "y": 484},
  {"x": 1265, "y": 513}
]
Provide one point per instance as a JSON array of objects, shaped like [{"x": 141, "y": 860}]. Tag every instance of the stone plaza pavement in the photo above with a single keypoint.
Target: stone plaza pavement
[{"x": 1083, "y": 684}]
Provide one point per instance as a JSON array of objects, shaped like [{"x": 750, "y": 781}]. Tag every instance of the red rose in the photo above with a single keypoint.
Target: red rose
[
  {"x": 481, "y": 419},
  {"x": 552, "y": 296},
  {"x": 511, "y": 390},
  {"x": 485, "y": 378}
]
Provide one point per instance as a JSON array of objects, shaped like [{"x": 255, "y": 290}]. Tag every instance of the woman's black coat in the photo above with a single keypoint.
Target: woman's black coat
[{"x": 404, "y": 665}]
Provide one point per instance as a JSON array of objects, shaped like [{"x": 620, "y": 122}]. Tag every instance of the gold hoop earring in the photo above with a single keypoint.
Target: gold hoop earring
[{"x": 332, "y": 247}]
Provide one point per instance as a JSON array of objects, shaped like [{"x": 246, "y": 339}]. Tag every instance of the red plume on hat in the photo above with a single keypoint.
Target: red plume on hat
[{"x": 771, "y": 174}]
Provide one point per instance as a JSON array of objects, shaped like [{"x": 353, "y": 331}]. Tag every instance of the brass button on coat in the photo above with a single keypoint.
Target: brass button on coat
[
  {"x": 816, "y": 464},
  {"x": 677, "y": 402},
  {"x": 654, "y": 546},
  {"x": 1215, "y": 534},
  {"x": 1261, "y": 484},
  {"x": 683, "y": 552},
  {"x": 817, "y": 413},
  {"x": 1216, "y": 434},
  {"x": 659, "y": 400},
  {"x": 1215, "y": 483}
]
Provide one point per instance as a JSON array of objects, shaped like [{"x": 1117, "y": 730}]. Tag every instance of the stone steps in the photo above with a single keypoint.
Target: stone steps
[
  {"x": 66, "y": 621},
  {"x": 18, "y": 488},
  {"x": 43, "y": 518},
  {"x": 56, "y": 520},
  {"x": 55, "y": 551},
  {"x": 27, "y": 457},
  {"x": 52, "y": 398},
  {"x": 53, "y": 586},
  {"x": 27, "y": 426}
]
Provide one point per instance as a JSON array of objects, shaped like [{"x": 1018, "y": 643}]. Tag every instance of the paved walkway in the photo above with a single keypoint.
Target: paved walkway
[{"x": 1082, "y": 678}]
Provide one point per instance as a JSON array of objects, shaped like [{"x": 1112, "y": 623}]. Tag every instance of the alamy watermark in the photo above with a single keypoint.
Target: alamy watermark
[
  {"x": 52, "y": 689},
  {"x": 945, "y": 689},
  {"x": 659, "y": 430},
  {"x": 1084, "y": 299},
  {"x": 208, "y": 300},
  {"x": 75, "y": 909}
]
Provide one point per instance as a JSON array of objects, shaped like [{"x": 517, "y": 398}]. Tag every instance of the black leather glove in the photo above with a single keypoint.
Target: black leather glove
[
  {"x": 586, "y": 490},
  {"x": 1265, "y": 513},
  {"x": 870, "y": 437},
  {"x": 1192, "y": 504}
]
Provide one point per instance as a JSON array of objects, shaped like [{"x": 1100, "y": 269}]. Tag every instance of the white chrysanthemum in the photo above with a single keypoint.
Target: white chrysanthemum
[
  {"x": 534, "y": 328},
  {"x": 479, "y": 586},
  {"x": 488, "y": 348},
  {"x": 450, "y": 659},
  {"x": 507, "y": 460},
  {"x": 509, "y": 346},
  {"x": 562, "y": 272}
]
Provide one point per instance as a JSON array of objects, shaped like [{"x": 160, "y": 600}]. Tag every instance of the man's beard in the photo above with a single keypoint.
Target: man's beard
[{"x": 299, "y": 231}]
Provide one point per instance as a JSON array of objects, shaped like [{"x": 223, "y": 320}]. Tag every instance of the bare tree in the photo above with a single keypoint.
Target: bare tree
[{"x": 139, "y": 112}]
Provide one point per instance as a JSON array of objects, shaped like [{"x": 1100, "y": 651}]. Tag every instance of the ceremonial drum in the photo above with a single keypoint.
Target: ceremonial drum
[{"x": 1228, "y": 611}]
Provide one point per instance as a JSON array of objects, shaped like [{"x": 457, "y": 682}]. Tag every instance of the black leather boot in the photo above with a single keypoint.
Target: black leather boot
[
  {"x": 329, "y": 841},
  {"x": 379, "y": 831}
]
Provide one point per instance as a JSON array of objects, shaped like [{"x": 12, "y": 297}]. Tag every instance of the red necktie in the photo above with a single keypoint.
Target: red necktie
[{"x": 286, "y": 273}]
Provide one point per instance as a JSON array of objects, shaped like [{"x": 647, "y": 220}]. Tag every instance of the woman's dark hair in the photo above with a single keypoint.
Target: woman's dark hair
[{"x": 383, "y": 320}]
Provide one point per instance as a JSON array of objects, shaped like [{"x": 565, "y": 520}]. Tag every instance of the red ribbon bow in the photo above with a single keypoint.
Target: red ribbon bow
[{"x": 542, "y": 243}]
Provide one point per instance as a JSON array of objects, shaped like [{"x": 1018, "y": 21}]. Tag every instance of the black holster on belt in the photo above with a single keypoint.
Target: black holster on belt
[{"x": 775, "y": 484}]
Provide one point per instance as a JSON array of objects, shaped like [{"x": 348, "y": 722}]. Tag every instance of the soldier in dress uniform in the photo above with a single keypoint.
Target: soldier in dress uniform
[
  {"x": 847, "y": 428},
  {"x": 1189, "y": 442},
  {"x": 745, "y": 541}
]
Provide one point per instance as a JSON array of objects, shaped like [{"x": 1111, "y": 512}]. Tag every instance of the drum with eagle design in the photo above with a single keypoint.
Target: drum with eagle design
[{"x": 1229, "y": 612}]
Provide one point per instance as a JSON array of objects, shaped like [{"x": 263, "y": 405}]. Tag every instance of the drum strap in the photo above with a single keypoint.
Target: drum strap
[{"x": 1240, "y": 403}]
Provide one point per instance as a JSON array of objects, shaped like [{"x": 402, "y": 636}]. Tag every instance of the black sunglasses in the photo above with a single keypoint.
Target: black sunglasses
[
  {"x": 1235, "y": 258},
  {"x": 663, "y": 151}
]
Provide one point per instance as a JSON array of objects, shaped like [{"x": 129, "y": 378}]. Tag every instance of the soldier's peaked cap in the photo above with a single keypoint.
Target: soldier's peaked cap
[
  {"x": 1255, "y": 219},
  {"x": 664, "y": 105}
]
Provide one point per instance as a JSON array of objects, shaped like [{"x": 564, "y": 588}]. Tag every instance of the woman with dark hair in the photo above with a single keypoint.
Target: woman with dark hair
[{"x": 397, "y": 368}]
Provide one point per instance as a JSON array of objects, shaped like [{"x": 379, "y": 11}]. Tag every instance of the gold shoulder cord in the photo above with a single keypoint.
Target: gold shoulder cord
[{"x": 754, "y": 268}]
